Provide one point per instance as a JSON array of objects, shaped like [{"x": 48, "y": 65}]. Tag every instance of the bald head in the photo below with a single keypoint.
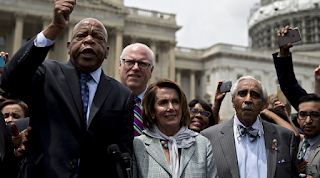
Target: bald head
[
  {"x": 135, "y": 77},
  {"x": 87, "y": 21}
]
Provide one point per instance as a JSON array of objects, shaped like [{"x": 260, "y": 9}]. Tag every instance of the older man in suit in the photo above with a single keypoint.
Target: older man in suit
[
  {"x": 76, "y": 111},
  {"x": 246, "y": 146},
  {"x": 135, "y": 69}
]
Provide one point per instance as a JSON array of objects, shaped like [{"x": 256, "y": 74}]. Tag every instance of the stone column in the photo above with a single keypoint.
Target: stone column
[
  {"x": 316, "y": 30},
  {"x": 192, "y": 84},
  {"x": 118, "y": 50},
  {"x": 172, "y": 66},
  {"x": 153, "y": 47},
  {"x": 273, "y": 37},
  {"x": 18, "y": 32},
  {"x": 303, "y": 25},
  {"x": 67, "y": 38},
  {"x": 46, "y": 20},
  {"x": 178, "y": 76}
]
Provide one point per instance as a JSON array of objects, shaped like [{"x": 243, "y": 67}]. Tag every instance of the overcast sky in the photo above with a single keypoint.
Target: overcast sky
[{"x": 205, "y": 22}]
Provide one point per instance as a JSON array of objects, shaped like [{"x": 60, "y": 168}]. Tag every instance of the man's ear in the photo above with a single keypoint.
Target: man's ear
[
  {"x": 68, "y": 47},
  {"x": 151, "y": 72},
  {"x": 107, "y": 52},
  {"x": 233, "y": 104}
]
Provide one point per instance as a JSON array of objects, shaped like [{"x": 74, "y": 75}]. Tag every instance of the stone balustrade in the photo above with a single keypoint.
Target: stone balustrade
[{"x": 152, "y": 14}]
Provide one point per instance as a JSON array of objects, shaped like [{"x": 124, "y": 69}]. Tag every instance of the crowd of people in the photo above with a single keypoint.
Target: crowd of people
[{"x": 79, "y": 122}]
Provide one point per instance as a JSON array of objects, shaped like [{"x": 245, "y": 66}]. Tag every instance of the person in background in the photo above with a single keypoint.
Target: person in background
[
  {"x": 135, "y": 69},
  {"x": 167, "y": 148},
  {"x": 13, "y": 110},
  {"x": 201, "y": 115}
]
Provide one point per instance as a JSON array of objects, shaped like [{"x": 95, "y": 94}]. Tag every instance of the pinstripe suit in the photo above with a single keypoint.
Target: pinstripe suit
[
  {"x": 150, "y": 160},
  {"x": 221, "y": 137}
]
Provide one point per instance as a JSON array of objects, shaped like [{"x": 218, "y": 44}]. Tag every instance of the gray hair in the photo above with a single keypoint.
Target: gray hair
[
  {"x": 264, "y": 90},
  {"x": 140, "y": 44}
]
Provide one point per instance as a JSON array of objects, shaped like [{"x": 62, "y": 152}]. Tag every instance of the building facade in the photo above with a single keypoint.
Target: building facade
[{"x": 198, "y": 71}]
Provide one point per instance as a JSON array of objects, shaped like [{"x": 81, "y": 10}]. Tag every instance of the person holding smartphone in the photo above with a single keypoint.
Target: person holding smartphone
[{"x": 307, "y": 106}]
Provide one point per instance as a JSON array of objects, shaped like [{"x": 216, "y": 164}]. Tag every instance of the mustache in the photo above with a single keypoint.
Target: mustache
[
  {"x": 247, "y": 107},
  {"x": 308, "y": 125}
]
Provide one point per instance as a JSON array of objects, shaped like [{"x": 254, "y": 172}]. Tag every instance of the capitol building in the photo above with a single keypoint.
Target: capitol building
[{"x": 196, "y": 70}]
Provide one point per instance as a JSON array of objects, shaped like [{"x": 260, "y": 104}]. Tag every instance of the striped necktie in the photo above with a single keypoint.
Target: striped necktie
[
  {"x": 305, "y": 145},
  {"x": 137, "y": 123}
]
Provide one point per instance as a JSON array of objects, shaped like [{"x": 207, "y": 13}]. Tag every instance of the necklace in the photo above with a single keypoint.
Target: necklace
[{"x": 163, "y": 143}]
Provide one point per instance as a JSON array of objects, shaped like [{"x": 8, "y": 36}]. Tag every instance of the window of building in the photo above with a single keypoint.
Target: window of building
[
  {"x": 239, "y": 76},
  {"x": 208, "y": 79},
  {"x": 258, "y": 78},
  {"x": 2, "y": 40}
]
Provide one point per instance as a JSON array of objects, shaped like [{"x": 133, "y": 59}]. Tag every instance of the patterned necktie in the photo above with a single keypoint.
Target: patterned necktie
[
  {"x": 305, "y": 145},
  {"x": 252, "y": 133},
  {"x": 137, "y": 123},
  {"x": 84, "y": 78}
]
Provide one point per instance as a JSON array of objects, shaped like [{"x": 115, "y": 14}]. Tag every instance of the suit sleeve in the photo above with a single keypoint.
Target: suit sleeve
[
  {"x": 211, "y": 164},
  {"x": 294, "y": 160},
  {"x": 287, "y": 80},
  {"x": 21, "y": 69},
  {"x": 126, "y": 129}
]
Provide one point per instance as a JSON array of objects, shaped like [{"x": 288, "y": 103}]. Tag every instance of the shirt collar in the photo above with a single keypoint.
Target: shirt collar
[
  {"x": 96, "y": 75},
  {"x": 141, "y": 96},
  {"x": 313, "y": 140},
  {"x": 256, "y": 125}
]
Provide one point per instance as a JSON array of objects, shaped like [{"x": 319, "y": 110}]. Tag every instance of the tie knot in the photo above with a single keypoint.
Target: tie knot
[
  {"x": 137, "y": 100},
  {"x": 85, "y": 77},
  {"x": 306, "y": 143}
]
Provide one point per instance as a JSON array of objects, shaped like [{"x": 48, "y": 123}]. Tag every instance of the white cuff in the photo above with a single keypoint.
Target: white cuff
[{"x": 42, "y": 41}]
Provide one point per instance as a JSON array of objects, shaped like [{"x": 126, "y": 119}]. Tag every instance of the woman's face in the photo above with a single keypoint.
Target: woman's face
[
  {"x": 12, "y": 113},
  {"x": 168, "y": 111},
  {"x": 199, "y": 121}
]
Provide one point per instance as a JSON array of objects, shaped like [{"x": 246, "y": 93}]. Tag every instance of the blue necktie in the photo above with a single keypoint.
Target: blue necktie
[
  {"x": 84, "y": 78},
  {"x": 252, "y": 133}
]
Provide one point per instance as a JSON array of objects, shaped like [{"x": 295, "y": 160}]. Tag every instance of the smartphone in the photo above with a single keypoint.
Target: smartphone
[
  {"x": 2, "y": 61},
  {"x": 281, "y": 96},
  {"x": 290, "y": 37},
  {"x": 311, "y": 170},
  {"x": 225, "y": 86}
]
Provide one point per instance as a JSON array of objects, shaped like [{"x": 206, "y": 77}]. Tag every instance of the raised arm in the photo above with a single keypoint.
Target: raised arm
[
  {"x": 284, "y": 67},
  {"x": 218, "y": 98}
]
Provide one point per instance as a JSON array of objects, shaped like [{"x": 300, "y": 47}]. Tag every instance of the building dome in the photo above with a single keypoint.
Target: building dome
[{"x": 270, "y": 15}]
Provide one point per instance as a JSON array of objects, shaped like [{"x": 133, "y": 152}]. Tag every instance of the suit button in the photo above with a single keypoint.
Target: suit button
[{"x": 72, "y": 165}]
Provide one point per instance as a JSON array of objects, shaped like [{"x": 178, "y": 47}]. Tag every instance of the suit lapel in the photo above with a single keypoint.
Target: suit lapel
[
  {"x": 71, "y": 75},
  {"x": 314, "y": 151},
  {"x": 155, "y": 150},
  {"x": 229, "y": 149},
  {"x": 103, "y": 90},
  {"x": 187, "y": 155},
  {"x": 269, "y": 135}
]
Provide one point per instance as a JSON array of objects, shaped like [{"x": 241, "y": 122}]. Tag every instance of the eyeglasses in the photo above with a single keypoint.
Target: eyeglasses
[
  {"x": 205, "y": 114},
  {"x": 131, "y": 63},
  {"x": 314, "y": 115}
]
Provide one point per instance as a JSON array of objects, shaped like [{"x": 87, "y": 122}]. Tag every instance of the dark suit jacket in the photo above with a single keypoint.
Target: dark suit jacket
[
  {"x": 59, "y": 137},
  {"x": 287, "y": 80},
  {"x": 221, "y": 137},
  {"x": 8, "y": 162}
]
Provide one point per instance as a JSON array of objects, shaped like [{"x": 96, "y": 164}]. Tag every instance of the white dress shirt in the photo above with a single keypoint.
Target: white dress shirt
[{"x": 251, "y": 156}]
